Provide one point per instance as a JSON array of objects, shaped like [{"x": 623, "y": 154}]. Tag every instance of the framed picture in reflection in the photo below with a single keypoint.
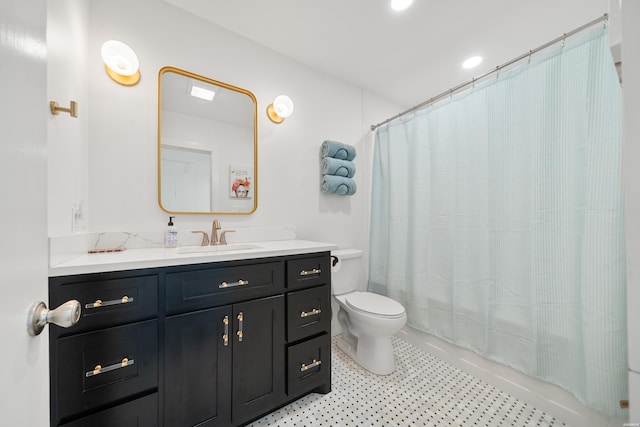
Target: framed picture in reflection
[{"x": 240, "y": 181}]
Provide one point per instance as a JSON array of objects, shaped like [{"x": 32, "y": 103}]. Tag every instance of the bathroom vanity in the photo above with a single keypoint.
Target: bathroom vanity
[{"x": 168, "y": 339}]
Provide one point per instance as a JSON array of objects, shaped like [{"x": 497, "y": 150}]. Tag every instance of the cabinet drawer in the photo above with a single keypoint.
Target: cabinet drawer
[
  {"x": 309, "y": 365},
  {"x": 93, "y": 369},
  {"x": 106, "y": 302},
  {"x": 141, "y": 412},
  {"x": 196, "y": 289},
  {"x": 307, "y": 272},
  {"x": 308, "y": 312}
]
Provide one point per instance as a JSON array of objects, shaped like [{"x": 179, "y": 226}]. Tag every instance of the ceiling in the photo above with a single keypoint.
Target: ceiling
[
  {"x": 406, "y": 57},
  {"x": 228, "y": 105}
]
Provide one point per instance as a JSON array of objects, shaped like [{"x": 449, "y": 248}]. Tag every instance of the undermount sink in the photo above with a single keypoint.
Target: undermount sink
[{"x": 216, "y": 249}]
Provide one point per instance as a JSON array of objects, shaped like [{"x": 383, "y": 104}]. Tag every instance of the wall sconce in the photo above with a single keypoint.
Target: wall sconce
[
  {"x": 280, "y": 109},
  {"x": 56, "y": 109},
  {"x": 120, "y": 62}
]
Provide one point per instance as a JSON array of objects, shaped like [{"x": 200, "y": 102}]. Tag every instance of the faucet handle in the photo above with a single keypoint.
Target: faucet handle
[
  {"x": 205, "y": 237},
  {"x": 214, "y": 233},
  {"x": 223, "y": 237}
]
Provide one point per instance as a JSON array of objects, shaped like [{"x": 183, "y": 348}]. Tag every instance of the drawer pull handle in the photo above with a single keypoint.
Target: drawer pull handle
[
  {"x": 231, "y": 285},
  {"x": 225, "y": 337},
  {"x": 240, "y": 320},
  {"x": 308, "y": 272},
  {"x": 313, "y": 364},
  {"x": 100, "y": 370},
  {"x": 99, "y": 303},
  {"x": 313, "y": 312}
]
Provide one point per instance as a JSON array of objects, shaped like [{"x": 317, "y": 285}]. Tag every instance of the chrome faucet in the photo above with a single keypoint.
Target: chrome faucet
[{"x": 214, "y": 232}]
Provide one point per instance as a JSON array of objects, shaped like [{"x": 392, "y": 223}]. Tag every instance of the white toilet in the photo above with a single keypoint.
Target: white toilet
[{"x": 368, "y": 320}]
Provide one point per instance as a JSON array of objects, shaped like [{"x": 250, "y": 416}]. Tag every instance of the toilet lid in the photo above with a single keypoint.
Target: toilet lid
[{"x": 374, "y": 304}]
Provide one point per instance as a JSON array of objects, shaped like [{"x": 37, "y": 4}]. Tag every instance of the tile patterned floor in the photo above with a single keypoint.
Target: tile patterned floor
[{"x": 429, "y": 393}]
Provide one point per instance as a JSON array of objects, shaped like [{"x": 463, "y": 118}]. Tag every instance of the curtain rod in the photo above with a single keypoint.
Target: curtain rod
[{"x": 604, "y": 18}]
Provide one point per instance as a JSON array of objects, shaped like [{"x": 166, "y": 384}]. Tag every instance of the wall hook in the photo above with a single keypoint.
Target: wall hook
[{"x": 72, "y": 110}]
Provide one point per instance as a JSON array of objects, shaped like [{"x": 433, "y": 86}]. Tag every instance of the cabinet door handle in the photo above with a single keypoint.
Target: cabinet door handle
[
  {"x": 99, "y": 303},
  {"x": 232, "y": 284},
  {"x": 308, "y": 272},
  {"x": 313, "y": 364},
  {"x": 240, "y": 320},
  {"x": 313, "y": 312},
  {"x": 225, "y": 337},
  {"x": 100, "y": 370}
]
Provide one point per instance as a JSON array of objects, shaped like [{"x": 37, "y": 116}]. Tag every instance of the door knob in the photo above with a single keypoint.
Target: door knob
[{"x": 65, "y": 316}]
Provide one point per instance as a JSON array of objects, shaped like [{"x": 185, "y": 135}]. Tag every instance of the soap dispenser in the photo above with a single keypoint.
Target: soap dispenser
[{"x": 171, "y": 235}]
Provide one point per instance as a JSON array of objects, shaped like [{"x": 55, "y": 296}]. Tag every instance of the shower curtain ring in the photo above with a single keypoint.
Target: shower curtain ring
[
  {"x": 529, "y": 61},
  {"x": 564, "y": 38}
]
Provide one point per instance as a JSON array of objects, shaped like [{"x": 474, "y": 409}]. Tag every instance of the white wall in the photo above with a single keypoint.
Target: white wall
[
  {"x": 122, "y": 128},
  {"x": 631, "y": 94},
  {"x": 68, "y": 138}
]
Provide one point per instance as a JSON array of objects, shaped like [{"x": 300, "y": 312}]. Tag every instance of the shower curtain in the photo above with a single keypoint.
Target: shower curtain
[{"x": 497, "y": 220}]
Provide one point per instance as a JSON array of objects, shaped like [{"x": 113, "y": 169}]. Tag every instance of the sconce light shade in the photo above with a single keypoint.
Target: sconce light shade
[
  {"x": 280, "y": 109},
  {"x": 120, "y": 62}
]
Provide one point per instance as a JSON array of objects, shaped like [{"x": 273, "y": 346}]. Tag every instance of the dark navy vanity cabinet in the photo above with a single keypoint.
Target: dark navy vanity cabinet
[{"x": 213, "y": 344}]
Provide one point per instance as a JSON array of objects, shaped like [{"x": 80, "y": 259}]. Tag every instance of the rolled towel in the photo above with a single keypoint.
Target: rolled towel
[
  {"x": 338, "y": 150},
  {"x": 338, "y": 185},
  {"x": 331, "y": 166}
]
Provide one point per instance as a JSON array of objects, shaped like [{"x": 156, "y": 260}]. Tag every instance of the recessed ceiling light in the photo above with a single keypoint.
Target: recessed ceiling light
[
  {"x": 472, "y": 62},
  {"x": 400, "y": 4},
  {"x": 202, "y": 93}
]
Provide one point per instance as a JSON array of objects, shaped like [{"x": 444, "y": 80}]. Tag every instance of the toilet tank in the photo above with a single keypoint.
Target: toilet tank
[{"x": 346, "y": 271}]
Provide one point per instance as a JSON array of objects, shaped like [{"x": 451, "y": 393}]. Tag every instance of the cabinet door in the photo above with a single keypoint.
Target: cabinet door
[
  {"x": 258, "y": 357},
  {"x": 197, "y": 375}
]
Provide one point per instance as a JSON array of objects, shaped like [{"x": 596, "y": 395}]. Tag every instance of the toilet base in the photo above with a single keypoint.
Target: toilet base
[{"x": 373, "y": 354}]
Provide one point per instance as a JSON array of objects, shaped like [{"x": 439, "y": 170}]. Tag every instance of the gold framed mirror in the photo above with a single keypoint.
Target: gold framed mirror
[{"x": 207, "y": 145}]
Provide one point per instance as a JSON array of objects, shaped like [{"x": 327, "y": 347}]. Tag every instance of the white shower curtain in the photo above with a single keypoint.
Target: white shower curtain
[{"x": 497, "y": 220}]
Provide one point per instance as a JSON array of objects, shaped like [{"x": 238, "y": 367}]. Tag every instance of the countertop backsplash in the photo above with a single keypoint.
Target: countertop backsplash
[{"x": 64, "y": 248}]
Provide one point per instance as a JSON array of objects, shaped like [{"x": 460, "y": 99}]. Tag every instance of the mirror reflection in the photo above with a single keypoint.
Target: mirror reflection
[{"x": 207, "y": 145}]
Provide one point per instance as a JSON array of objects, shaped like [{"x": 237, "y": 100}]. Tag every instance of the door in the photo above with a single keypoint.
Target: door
[
  {"x": 24, "y": 395},
  {"x": 258, "y": 357}
]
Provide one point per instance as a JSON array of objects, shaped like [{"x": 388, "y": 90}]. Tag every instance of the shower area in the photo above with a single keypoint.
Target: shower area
[{"x": 497, "y": 218}]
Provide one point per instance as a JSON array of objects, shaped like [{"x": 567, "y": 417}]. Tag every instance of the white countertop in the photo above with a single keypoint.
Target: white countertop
[{"x": 132, "y": 259}]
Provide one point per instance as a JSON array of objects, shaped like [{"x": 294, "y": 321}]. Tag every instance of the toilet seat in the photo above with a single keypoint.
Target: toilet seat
[{"x": 374, "y": 305}]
